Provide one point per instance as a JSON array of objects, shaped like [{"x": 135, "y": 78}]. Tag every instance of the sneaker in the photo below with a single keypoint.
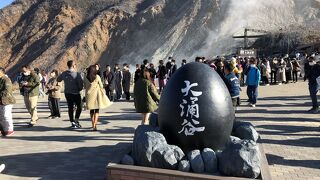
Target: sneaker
[
  {"x": 78, "y": 124},
  {"x": 249, "y": 104},
  {"x": 253, "y": 105},
  {"x": 55, "y": 117},
  {"x": 267, "y": 84},
  {"x": 50, "y": 117},
  {"x": 74, "y": 125},
  {"x": 10, "y": 133},
  {"x": 2, "y": 167},
  {"x": 280, "y": 84}
]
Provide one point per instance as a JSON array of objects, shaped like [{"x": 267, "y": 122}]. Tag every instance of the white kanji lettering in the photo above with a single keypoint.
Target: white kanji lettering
[
  {"x": 188, "y": 88},
  {"x": 182, "y": 107},
  {"x": 189, "y": 129}
]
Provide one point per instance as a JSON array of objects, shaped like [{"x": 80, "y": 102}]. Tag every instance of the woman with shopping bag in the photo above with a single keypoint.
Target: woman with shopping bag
[{"x": 96, "y": 99}]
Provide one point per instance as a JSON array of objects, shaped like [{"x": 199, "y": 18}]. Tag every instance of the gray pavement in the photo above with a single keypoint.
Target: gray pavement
[{"x": 51, "y": 150}]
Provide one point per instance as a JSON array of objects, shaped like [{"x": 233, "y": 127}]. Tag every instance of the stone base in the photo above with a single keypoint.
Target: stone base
[{"x": 124, "y": 172}]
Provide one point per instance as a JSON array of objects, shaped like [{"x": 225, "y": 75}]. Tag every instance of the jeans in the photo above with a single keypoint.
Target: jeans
[
  {"x": 54, "y": 106},
  {"x": 74, "y": 99},
  {"x": 252, "y": 92},
  {"x": 6, "y": 123},
  {"x": 313, "y": 94},
  {"x": 31, "y": 105}
]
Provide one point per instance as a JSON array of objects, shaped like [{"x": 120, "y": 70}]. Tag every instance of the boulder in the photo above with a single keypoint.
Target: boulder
[
  {"x": 246, "y": 132},
  {"x": 184, "y": 166},
  {"x": 178, "y": 153},
  {"x": 237, "y": 124},
  {"x": 196, "y": 161},
  {"x": 234, "y": 139},
  {"x": 127, "y": 160},
  {"x": 210, "y": 160},
  {"x": 164, "y": 157},
  {"x": 144, "y": 143},
  {"x": 150, "y": 149},
  {"x": 240, "y": 158}
]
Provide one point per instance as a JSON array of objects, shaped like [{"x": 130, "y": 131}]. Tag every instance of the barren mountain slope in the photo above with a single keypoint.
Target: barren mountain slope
[{"x": 47, "y": 33}]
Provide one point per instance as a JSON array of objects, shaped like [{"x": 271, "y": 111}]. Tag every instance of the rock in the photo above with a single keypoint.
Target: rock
[
  {"x": 164, "y": 157},
  {"x": 144, "y": 143},
  {"x": 234, "y": 139},
  {"x": 184, "y": 166},
  {"x": 178, "y": 153},
  {"x": 246, "y": 132},
  {"x": 151, "y": 149},
  {"x": 237, "y": 124},
  {"x": 153, "y": 120},
  {"x": 196, "y": 161},
  {"x": 127, "y": 160},
  {"x": 195, "y": 109},
  {"x": 241, "y": 159},
  {"x": 210, "y": 160}
]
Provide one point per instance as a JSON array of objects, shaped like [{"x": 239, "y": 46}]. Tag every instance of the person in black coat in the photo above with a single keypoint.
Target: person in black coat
[
  {"x": 108, "y": 82},
  {"x": 161, "y": 74},
  {"x": 137, "y": 73},
  {"x": 173, "y": 68},
  {"x": 312, "y": 73}
]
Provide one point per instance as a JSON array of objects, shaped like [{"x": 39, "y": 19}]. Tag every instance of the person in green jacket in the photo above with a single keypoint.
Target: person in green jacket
[
  {"x": 29, "y": 88},
  {"x": 146, "y": 96},
  {"x": 6, "y": 102}
]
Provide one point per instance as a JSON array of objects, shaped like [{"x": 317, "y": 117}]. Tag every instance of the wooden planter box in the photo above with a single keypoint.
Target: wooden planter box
[{"x": 125, "y": 172}]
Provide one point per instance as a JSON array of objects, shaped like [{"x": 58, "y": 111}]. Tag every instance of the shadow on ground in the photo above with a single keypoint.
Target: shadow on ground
[
  {"x": 274, "y": 159},
  {"x": 78, "y": 163}
]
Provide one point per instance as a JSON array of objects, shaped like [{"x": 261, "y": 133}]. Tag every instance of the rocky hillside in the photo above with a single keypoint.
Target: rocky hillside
[{"x": 47, "y": 33}]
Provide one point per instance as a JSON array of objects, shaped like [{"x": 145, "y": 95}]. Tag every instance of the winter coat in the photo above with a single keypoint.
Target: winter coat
[
  {"x": 32, "y": 88},
  {"x": 253, "y": 76},
  {"x": 281, "y": 71},
  {"x": 95, "y": 97},
  {"x": 54, "y": 88},
  {"x": 6, "y": 94},
  {"x": 145, "y": 96},
  {"x": 108, "y": 80},
  {"x": 118, "y": 76},
  {"x": 296, "y": 66},
  {"x": 313, "y": 72},
  {"x": 73, "y": 82},
  {"x": 162, "y": 72},
  {"x": 233, "y": 85},
  {"x": 137, "y": 75},
  {"x": 126, "y": 80}
]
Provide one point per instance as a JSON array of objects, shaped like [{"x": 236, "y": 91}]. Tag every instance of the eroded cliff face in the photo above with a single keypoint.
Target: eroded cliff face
[{"x": 47, "y": 33}]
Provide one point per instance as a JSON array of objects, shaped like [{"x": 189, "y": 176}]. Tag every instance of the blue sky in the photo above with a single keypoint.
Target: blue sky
[{"x": 4, "y": 3}]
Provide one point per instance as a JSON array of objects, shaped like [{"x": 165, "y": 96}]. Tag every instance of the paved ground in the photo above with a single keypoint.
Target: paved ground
[{"x": 52, "y": 151}]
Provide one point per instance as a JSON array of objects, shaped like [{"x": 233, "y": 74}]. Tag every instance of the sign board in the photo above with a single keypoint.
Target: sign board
[{"x": 247, "y": 53}]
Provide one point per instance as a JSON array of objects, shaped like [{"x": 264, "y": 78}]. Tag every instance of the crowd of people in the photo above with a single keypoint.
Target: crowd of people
[{"x": 102, "y": 88}]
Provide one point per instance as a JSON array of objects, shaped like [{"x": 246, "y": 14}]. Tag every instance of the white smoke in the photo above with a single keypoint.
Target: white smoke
[{"x": 269, "y": 15}]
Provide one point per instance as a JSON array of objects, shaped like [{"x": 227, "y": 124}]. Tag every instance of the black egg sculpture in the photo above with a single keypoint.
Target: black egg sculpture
[{"x": 195, "y": 109}]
